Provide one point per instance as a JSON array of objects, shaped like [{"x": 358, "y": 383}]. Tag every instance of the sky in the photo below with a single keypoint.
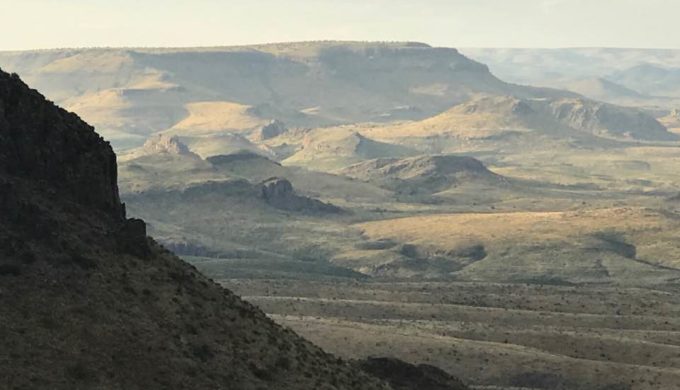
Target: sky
[{"x": 40, "y": 24}]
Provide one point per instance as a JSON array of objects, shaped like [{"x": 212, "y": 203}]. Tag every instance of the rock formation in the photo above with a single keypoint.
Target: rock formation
[
  {"x": 161, "y": 143},
  {"x": 271, "y": 130},
  {"x": 39, "y": 142},
  {"x": 279, "y": 193}
]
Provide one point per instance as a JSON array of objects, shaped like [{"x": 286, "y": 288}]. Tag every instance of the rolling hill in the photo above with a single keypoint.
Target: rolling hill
[
  {"x": 423, "y": 174},
  {"x": 328, "y": 149},
  {"x": 620, "y": 245},
  {"x": 492, "y": 116}
]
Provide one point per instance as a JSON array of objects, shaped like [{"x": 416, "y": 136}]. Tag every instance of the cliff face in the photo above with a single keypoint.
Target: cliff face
[
  {"x": 40, "y": 142},
  {"x": 88, "y": 301}
]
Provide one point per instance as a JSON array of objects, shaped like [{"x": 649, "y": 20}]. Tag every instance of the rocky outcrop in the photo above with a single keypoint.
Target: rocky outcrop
[
  {"x": 162, "y": 143},
  {"x": 40, "y": 142},
  {"x": 404, "y": 376},
  {"x": 279, "y": 193},
  {"x": 271, "y": 130},
  {"x": 88, "y": 302}
]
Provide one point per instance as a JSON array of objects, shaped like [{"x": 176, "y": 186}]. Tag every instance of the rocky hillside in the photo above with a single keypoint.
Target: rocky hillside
[
  {"x": 88, "y": 301},
  {"x": 164, "y": 144},
  {"x": 485, "y": 117},
  {"x": 606, "y": 120},
  {"x": 424, "y": 173}
]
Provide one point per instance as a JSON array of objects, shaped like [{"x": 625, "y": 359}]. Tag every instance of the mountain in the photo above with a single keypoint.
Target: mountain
[
  {"x": 164, "y": 144},
  {"x": 88, "y": 301},
  {"x": 162, "y": 162},
  {"x": 631, "y": 77},
  {"x": 607, "y": 120},
  {"x": 335, "y": 148},
  {"x": 197, "y": 92},
  {"x": 529, "y": 65},
  {"x": 427, "y": 174},
  {"x": 485, "y": 117},
  {"x": 651, "y": 79},
  {"x": 599, "y": 88},
  {"x": 225, "y": 143}
]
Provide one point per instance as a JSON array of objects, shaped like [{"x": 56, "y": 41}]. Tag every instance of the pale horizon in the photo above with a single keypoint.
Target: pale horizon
[{"x": 545, "y": 24}]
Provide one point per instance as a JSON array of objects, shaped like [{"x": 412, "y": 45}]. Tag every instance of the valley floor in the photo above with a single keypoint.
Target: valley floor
[{"x": 495, "y": 336}]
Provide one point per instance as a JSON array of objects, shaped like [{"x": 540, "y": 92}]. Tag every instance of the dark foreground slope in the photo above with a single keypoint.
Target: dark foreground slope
[
  {"x": 404, "y": 376},
  {"x": 88, "y": 301}
]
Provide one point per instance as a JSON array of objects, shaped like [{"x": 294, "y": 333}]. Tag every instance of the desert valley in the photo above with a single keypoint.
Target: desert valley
[{"x": 508, "y": 216}]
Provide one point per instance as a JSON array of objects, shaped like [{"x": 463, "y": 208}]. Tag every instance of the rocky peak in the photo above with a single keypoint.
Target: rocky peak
[
  {"x": 162, "y": 143},
  {"x": 40, "y": 142}
]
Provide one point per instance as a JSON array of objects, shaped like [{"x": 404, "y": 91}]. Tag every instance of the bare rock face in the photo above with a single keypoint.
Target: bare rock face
[{"x": 279, "y": 193}]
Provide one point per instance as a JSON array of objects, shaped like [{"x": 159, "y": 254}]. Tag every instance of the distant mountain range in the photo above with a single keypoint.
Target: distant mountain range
[
  {"x": 649, "y": 77},
  {"x": 129, "y": 94}
]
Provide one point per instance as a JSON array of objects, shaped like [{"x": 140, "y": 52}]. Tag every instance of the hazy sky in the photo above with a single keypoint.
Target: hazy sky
[{"x": 32, "y": 24}]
